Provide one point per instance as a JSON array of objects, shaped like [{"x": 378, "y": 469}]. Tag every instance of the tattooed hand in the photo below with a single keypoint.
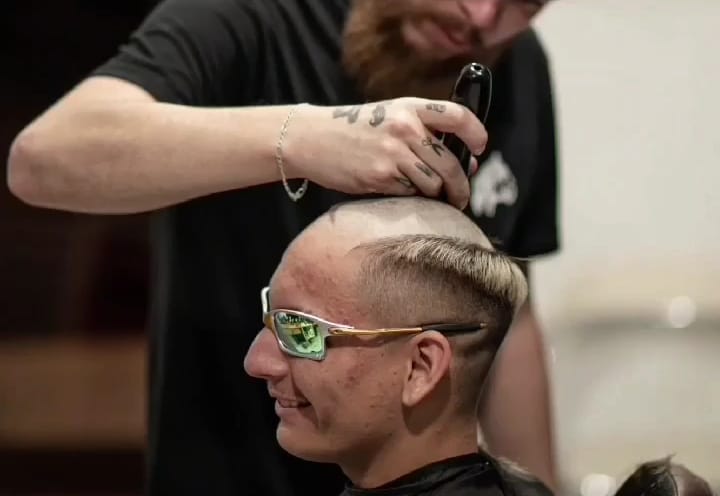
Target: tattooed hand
[{"x": 385, "y": 147}]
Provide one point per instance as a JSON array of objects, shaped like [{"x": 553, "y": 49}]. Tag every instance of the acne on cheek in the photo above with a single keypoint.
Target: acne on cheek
[
  {"x": 350, "y": 382},
  {"x": 361, "y": 367}
]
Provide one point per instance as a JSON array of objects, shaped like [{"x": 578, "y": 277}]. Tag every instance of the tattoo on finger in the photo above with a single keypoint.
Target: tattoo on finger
[
  {"x": 425, "y": 169},
  {"x": 351, "y": 113},
  {"x": 436, "y": 107},
  {"x": 405, "y": 182},
  {"x": 436, "y": 147}
]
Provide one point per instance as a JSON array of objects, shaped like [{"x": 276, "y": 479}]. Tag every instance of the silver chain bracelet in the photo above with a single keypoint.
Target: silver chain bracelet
[{"x": 294, "y": 195}]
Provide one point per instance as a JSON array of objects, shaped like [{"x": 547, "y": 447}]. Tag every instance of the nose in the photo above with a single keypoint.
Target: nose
[
  {"x": 483, "y": 14},
  {"x": 264, "y": 360}
]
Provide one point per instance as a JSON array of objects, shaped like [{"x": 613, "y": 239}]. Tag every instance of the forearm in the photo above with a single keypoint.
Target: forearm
[
  {"x": 515, "y": 409},
  {"x": 128, "y": 156}
]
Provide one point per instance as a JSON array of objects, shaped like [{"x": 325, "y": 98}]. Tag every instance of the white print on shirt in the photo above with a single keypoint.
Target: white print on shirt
[{"x": 493, "y": 185}]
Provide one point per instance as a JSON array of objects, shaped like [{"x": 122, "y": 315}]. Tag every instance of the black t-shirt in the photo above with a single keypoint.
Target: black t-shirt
[
  {"x": 211, "y": 427},
  {"x": 465, "y": 475}
]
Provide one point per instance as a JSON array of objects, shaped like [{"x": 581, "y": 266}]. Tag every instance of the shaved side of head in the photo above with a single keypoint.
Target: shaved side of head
[
  {"x": 430, "y": 255},
  {"x": 419, "y": 261}
]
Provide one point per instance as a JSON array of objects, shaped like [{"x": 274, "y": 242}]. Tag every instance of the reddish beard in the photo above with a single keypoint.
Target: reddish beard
[{"x": 377, "y": 57}]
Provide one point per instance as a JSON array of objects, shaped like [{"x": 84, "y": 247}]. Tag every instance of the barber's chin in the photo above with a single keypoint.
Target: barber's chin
[{"x": 432, "y": 42}]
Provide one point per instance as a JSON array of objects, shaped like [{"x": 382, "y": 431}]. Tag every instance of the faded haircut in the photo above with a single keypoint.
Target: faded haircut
[{"x": 419, "y": 279}]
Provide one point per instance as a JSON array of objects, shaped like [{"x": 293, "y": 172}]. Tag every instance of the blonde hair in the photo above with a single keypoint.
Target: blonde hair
[
  {"x": 470, "y": 281},
  {"x": 424, "y": 279}
]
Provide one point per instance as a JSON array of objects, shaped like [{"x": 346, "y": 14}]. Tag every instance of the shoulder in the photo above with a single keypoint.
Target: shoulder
[
  {"x": 260, "y": 13},
  {"x": 527, "y": 64},
  {"x": 529, "y": 48},
  {"x": 298, "y": 10},
  {"x": 519, "y": 482},
  {"x": 302, "y": 24},
  {"x": 524, "y": 84}
]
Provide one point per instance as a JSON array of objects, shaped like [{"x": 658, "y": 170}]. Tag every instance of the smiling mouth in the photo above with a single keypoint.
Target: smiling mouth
[{"x": 291, "y": 403}]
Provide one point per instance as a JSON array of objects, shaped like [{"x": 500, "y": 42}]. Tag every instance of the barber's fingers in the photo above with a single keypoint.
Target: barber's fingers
[
  {"x": 474, "y": 166},
  {"x": 401, "y": 185},
  {"x": 423, "y": 176},
  {"x": 444, "y": 164},
  {"x": 450, "y": 117}
]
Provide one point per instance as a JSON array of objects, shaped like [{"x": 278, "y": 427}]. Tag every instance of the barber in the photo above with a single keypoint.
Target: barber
[{"x": 238, "y": 122}]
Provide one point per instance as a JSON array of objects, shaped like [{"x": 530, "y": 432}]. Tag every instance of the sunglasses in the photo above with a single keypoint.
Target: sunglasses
[{"x": 303, "y": 335}]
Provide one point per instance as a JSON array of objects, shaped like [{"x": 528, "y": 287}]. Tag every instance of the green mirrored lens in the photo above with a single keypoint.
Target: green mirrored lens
[{"x": 298, "y": 333}]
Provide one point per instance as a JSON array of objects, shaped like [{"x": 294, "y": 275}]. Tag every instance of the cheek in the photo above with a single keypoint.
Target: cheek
[
  {"x": 355, "y": 406},
  {"x": 317, "y": 383},
  {"x": 366, "y": 398},
  {"x": 384, "y": 394},
  {"x": 331, "y": 394}
]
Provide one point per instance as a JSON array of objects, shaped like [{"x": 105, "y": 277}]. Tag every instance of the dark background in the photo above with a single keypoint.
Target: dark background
[{"x": 68, "y": 283}]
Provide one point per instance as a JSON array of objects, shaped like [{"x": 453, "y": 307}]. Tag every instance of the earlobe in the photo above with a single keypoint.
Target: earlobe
[{"x": 429, "y": 360}]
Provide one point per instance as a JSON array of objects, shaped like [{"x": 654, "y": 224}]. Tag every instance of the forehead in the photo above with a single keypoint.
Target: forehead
[{"x": 315, "y": 276}]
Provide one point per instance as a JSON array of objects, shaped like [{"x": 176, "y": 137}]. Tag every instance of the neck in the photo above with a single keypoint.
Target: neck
[{"x": 402, "y": 455}]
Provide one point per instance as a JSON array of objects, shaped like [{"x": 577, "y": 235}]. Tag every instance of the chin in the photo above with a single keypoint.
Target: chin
[
  {"x": 424, "y": 51},
  {"x": 305, "y": 447}
]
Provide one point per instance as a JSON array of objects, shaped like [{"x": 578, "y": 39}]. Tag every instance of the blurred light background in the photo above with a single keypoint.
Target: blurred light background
[{"x": 630, "y": 304}]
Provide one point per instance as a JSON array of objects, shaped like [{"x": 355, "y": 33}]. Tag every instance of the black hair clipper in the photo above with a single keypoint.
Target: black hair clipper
[{"x": 473, "y": 89}]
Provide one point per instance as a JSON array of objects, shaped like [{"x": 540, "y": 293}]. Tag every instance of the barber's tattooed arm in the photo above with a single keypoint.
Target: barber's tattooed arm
[
  {"x": 378, "y": 114},
  {"x": 398, "y": 144},
  {"x": 352, "y": 113}
]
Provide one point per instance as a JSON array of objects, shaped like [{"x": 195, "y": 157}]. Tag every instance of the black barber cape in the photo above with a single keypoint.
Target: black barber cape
[{"x": 466, "y": 475}]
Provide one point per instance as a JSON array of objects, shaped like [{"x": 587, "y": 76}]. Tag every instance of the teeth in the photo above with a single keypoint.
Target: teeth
[{"x": 290, "y": 404}]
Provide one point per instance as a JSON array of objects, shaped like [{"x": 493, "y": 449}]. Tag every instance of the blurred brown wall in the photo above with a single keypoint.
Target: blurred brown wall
[{"x": 73, "y": 288}]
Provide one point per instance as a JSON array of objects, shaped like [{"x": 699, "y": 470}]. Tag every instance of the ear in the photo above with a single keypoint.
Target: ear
[{"x": 430, "y": 359}]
